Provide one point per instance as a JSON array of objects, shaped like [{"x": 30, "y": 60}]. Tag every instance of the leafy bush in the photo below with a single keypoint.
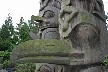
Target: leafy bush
[
  {"x": 25, "y": 67},
  {"x": 6, "y": 56},
  {"x": 105, "y": 62},
  {"x": 6, "y": 64}
]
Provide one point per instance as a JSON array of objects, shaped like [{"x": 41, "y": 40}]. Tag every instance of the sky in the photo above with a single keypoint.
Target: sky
[
  {"x": 17, "y": 9},
  {"x": 23, "y": 8}
]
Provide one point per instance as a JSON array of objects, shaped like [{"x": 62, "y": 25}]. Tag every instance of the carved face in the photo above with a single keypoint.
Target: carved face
[
  {"x": 50, "y": 12},
  {"x": 51, "y": 18}
]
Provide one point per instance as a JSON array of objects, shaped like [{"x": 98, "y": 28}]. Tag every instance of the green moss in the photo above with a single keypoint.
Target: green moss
[
  {"x": 35, "y": 48},
  {"x": 42, "y": 46},
  {"x": 84, "y": 17},
  {"x": 44, "y": 59}
]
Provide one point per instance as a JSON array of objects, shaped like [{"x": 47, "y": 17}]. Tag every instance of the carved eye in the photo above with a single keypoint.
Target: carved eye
[{"x": 48, "y": 14}]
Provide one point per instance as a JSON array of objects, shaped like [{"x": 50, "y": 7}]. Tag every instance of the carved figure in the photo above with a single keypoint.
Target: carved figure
[
  {"x": 72, "y": 11},
  {"x": 83, "y": 26},
  {"x": 83, "y": 35},
  {"x": 49, "y": 10}
]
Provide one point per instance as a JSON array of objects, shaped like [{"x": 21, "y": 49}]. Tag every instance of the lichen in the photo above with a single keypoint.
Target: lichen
[
  {"x": 84, "y": 17},
  {"x": 40, "y": 47}
]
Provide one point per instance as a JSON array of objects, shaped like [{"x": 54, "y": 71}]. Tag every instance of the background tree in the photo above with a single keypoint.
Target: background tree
[
  {"x": 6, "y": 39},
  {"x": 11, "y": 36},
  {"x": 6, "y": 35},
  {"x": 22, "y": 31}
]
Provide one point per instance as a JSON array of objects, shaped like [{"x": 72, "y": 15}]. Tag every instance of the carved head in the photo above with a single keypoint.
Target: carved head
[{"x": 50, "y": 11}]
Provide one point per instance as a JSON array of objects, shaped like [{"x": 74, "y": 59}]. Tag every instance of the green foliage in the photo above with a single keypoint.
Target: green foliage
[
  {"x": 25, "y": 67},
  {"x": 6, "y": 40},
  {"x": 5, "y": 55},
  {"x": 22, "y": 31},
  {"x": 32, "y": 27},
  {"x": 6, "y": 35},
  {"x": 11, "y": 36},
  {"x": 6, "y": 64},
  {"x": 105, "y": 62}
]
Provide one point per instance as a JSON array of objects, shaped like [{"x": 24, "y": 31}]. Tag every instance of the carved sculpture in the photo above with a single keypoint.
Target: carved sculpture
[
  {"x": 49, "y": 10},
  {"x": 82, "y": 24},
  {"x": 83, "y": 35}
]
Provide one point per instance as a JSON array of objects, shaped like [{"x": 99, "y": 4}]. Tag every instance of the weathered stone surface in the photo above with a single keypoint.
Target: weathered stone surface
[
  {"x": 49, "y": 10},
  {"x": 88, "y": 68},
  {"x": 51, "y": 33},
  {"x": 84, "y": 29},
  {"x": 48, "y": 67},
  {"x": 33, "y": 36},
  {"x": 49, "y": 50},
  {"x": 82, "y": 24},
  {"x": 83, "y": 34}
]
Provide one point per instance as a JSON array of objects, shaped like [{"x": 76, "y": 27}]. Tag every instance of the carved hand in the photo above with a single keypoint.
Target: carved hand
[{"x": 64, "y": 21}]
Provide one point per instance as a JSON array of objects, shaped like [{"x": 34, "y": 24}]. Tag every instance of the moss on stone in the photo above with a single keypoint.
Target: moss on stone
[
  {"x": 35, "y": 48},
  {"x": 44, "y": 59},
  {"x": 84, "y": 17}
]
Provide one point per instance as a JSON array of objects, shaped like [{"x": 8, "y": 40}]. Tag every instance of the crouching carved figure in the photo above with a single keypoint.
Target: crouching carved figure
[{"x": 82, "y": 24}]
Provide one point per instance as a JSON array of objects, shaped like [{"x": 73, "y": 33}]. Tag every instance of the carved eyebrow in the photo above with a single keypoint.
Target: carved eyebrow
[{"x": 49, "y": 13}]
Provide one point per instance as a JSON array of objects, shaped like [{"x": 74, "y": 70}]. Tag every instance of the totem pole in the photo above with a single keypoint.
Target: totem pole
[
  {"x": 82, "y": 24},
  {"x": 49, "y": 11},
  {"x": 81, "y": 45}
]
